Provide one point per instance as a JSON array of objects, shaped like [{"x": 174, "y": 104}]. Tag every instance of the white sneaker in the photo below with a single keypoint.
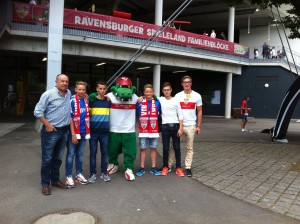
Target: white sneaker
[
  {"x": 92, "y": 178},
  {"x": 129, "y": 175},
  {"x": 70, "y": 182},
  {"x": 80, "y": 179},
  {"x": 243, "y": 129},
  {"x": 112, "y": 168}
]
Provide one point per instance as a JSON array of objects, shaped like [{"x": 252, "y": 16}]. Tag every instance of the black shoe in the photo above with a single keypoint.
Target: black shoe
[{"x": 188, "y": 172}]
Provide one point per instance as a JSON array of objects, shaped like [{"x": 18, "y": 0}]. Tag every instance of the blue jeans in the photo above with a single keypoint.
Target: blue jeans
[
  {"x": 53, "y": 146},
  {"x": 77, "y": 151},
  {"x": 169, "y": 131},
  {"x": 102, "y": 138}
]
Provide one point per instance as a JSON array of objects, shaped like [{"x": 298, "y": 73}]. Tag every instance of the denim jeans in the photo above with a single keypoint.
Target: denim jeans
[
  {"x": 169, "y": 131},
  {"x": 102, "y": 138},
  {"x": 53, "y": 146},
  {"x": 77, "y": 151}
]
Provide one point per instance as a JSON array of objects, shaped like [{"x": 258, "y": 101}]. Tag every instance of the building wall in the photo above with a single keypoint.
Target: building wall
[
  {"x": 265, "y": 102},
  {"x": 210, "y": 85}
]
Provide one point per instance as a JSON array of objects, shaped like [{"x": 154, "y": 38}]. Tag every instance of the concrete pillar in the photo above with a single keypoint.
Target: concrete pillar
[
  {"x": 231, "y": 24},
  {"x": 55, "y": 34},
  {"x": 158, "y": 12},
  {"x": 157, "y": 68},
  {"x": 228, "y": 94},
  {"x": 156, "y": 79}
]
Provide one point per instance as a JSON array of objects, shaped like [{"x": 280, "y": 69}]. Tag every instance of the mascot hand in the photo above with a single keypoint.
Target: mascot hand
[
  {"x": 113, "y": 89},
  {"x": 92, "y": 97},
  {"x": 133, "y": 89}
]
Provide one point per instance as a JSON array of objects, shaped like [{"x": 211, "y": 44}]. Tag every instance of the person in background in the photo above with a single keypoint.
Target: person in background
[
  {"x": 256, "y": 53},
  {"x": 265, "y": 50},
  {"x": 205, "y": 33},
  {"x": 222, "y": 36},
  {"x": 100, "y": 111},
  {"x": 148, "y": 111},
  {"x": 32, "y": 2},
  {"x": 244, "y": 113},
  {"x": 80, "y": 132},
  {"x": 213, "y": 34},
  {"x": 273, "y": 53},
  {"x": 53, "y": 110}
]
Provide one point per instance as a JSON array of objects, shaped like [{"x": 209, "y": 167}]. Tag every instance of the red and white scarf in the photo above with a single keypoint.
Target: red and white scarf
[
  {"x": 148, "y": 122},
  {"x": 76, "y": 119}
]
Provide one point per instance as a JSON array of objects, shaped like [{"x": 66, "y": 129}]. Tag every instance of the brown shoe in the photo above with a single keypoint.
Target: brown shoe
[
  {"x": 46, "y": 190},
  {"x": 60, "y": 185}
]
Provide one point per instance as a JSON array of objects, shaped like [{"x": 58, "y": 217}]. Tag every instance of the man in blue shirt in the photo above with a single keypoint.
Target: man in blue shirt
[{"x": 53, "y": 110}]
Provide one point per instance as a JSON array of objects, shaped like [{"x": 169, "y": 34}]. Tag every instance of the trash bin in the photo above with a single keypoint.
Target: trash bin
[{"x": 236, "y": 112}]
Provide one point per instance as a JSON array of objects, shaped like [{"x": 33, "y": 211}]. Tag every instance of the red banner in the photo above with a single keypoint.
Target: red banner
[
  {"x": 30, "y": 13},
  {"x": 124, "y": 27}
]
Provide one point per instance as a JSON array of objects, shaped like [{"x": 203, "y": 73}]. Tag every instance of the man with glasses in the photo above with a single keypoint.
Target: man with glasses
[{"x": 191, "y": 106}]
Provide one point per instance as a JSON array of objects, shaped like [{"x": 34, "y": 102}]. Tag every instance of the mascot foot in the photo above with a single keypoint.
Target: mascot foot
[
  {"x": 129, "y": 175},
  {"x": 112, "y": 168}
]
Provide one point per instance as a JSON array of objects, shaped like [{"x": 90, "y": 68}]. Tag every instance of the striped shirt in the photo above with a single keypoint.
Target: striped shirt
[
  {"x": 54, "y": 107},
  {"x": 99, "y": 116}
]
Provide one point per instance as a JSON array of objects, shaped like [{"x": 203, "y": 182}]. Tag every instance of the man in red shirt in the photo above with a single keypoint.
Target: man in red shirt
[{"x": 244, "y": 112}]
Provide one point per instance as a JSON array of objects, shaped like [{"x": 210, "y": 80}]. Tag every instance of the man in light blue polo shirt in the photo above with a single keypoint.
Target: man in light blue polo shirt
[{"x": 53, "y": 110}]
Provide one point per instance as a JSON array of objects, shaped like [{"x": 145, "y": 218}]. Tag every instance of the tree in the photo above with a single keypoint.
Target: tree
[{"x": 291, "y": 21}]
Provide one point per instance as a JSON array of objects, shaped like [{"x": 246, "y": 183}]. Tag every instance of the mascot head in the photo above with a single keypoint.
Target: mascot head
[{"x": 123, "y": 89}]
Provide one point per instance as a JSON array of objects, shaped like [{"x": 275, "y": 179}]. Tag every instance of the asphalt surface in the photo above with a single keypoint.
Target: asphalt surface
[{"x": 149, "y": 199}]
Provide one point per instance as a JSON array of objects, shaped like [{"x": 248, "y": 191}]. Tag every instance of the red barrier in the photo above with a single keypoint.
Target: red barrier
[{"x": 123, "y": 15}]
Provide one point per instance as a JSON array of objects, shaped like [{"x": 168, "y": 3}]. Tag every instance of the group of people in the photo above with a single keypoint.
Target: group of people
[
  {"x": 213, "y": 34},
  {"x": 69, "y": 121},
  {"x": 268, "y": 52}
]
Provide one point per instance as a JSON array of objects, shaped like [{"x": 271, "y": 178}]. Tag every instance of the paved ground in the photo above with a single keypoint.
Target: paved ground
[{"x": 246, "y": 166}]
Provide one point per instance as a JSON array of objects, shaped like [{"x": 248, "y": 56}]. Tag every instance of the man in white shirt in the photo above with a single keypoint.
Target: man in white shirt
[
  {"x": 213, "y": 34},
  {"x": 191, "y": 106},
  {"x": 171, "y": 128}
]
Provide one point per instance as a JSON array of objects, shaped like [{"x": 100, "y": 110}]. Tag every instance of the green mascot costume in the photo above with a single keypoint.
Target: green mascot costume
[{"x": 122, "y": 137}]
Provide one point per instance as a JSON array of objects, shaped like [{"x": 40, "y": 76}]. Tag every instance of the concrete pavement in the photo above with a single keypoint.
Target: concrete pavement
[{"x": 246, "y": 166}]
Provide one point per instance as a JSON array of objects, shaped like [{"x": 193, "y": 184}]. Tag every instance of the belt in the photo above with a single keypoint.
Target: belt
[
  {"x": 63, "y": 127},
  {"x": 171, "y": 124}
]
